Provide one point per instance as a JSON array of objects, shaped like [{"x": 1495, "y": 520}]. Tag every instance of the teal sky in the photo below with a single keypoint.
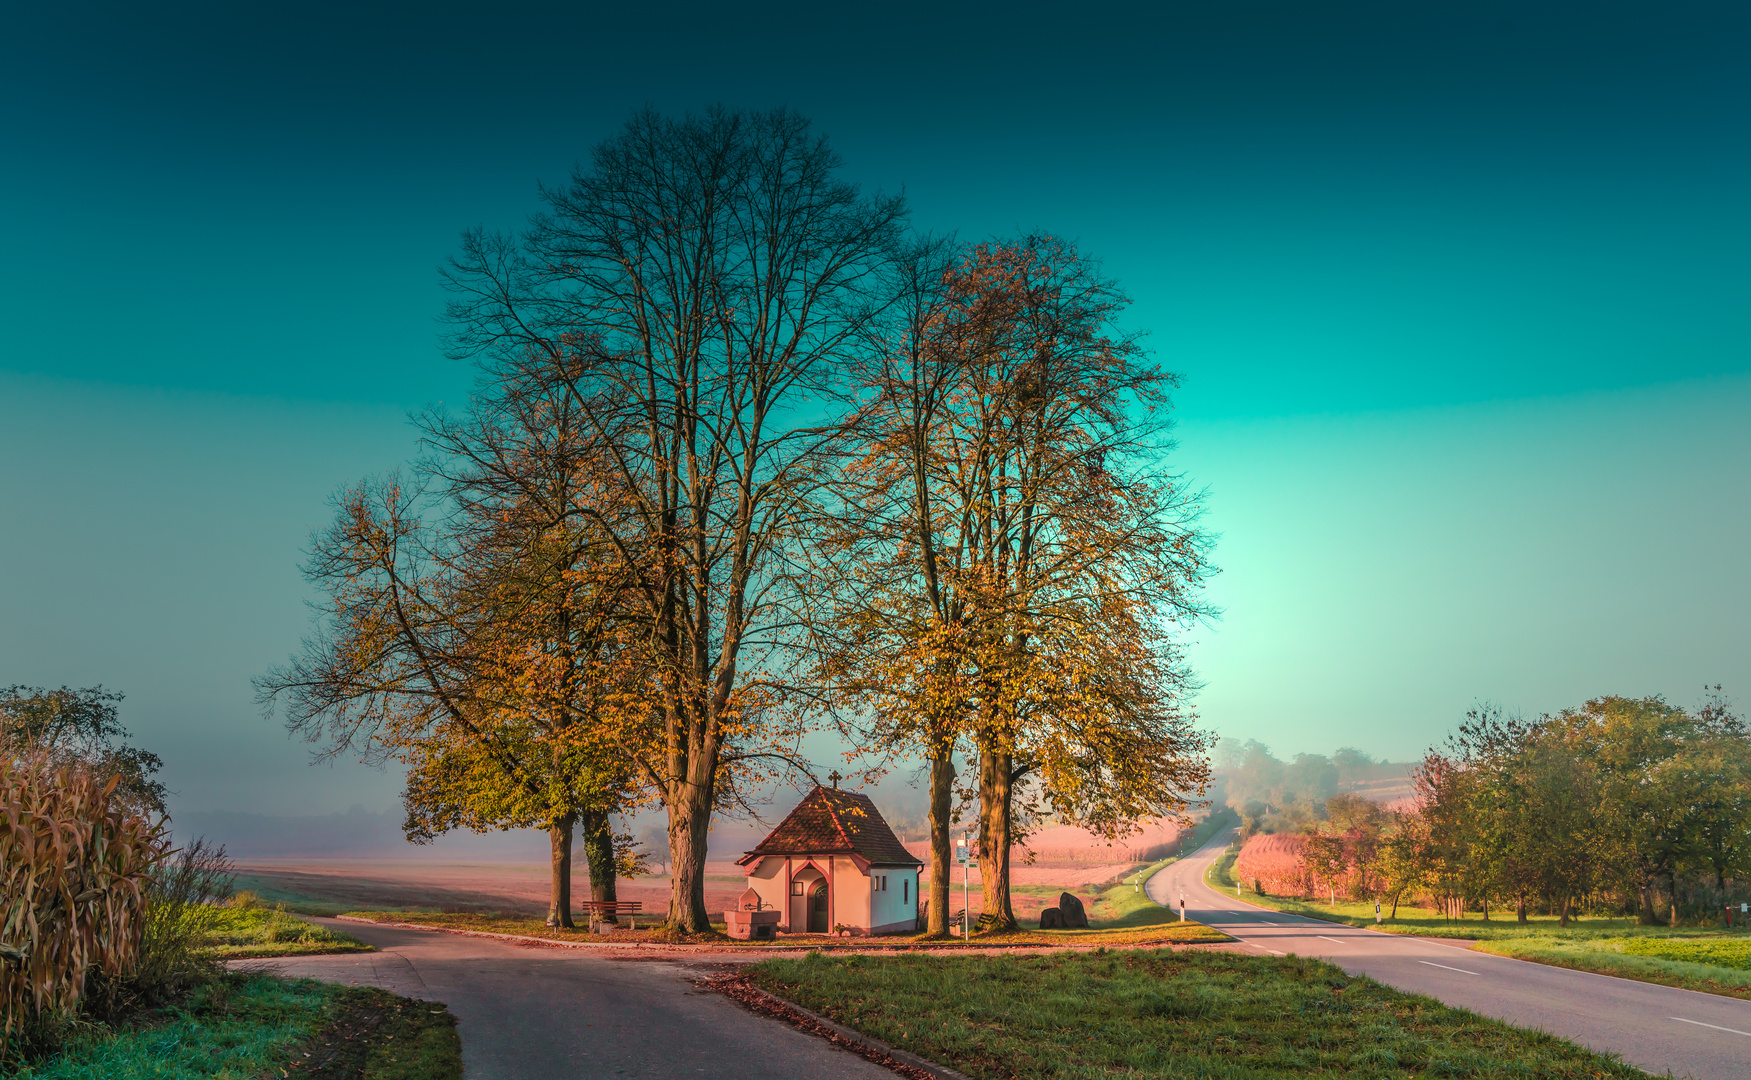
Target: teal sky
[{"x": 1460, "y": 296}]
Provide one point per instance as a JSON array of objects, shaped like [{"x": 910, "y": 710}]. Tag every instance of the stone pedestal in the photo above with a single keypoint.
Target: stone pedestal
[{"x": 752, "y": 925}]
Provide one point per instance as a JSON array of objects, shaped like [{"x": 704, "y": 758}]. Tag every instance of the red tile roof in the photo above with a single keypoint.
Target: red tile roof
[{"x": 833, "y": 822}]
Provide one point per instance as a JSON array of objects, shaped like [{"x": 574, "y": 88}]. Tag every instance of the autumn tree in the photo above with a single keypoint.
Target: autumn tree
[
  {"x": 695, "y": 290},
  {"x": 468, "y": 629},
  {"x": 1031, "y": 554},
  {"x": 69, "y": 727},
  {"x": 889, "y": 634}
]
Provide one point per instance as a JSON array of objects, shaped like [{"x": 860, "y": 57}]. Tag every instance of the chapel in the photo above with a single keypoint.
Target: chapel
[{"x": 833, "y": 863}]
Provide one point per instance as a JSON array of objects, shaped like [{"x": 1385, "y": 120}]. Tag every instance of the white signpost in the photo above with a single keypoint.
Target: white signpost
[{"x": 963, "y": 855}]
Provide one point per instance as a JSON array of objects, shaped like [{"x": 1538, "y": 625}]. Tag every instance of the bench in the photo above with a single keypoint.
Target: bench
[{"x": 611, "y": 910}]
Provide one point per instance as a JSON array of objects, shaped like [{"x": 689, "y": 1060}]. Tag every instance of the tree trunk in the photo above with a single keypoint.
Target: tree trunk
[
  {"x": 599, "y": 853},
  {"x": 689, "y": 821},
  {"x": 994, "y": 791},
  {"x": 1520, "y": 908},
  {"x": 1672, "y": 880},
  {"x": 1486, "y": 909},
  {"x": 1564, "y": 919},
  {"x": 1646, "y": 916},
  {"x": 1394, "y": 906},
  {"x": 942, "y": 779},
  {"x": 559, "y": 896}
]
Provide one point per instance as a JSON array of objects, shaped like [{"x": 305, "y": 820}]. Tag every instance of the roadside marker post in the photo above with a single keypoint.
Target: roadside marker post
[{"x": 963, "y": 855}]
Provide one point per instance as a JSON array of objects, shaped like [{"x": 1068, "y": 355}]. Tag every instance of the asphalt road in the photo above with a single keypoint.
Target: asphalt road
[
  {"x": 1659, "y": 1028},
  {"x": 571, "y": 1014}
]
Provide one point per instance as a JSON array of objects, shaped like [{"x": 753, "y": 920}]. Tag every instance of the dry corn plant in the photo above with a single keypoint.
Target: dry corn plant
[{"x": 73, "y": 877}]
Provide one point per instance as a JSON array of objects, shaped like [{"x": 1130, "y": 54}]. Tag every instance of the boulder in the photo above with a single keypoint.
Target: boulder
[
  {"x": 1051, "y": 919},
  {"x": 1075, "y": 918}
]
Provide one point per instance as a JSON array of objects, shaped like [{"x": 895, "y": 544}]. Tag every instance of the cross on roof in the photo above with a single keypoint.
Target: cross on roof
[{"x": 835, "y": 777}]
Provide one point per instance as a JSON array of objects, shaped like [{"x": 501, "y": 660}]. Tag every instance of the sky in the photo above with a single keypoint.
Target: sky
[{"x": 1459, "y": 295}]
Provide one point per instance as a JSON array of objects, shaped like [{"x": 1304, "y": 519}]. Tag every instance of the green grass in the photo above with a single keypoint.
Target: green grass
[
  {"x": 236, "y": 932},
  {"x": 1138, "y": 1013},
  {"x": 250, "y": 1027},
  {"x": 234, "y": 1030},
  {"x": 1716, "y": 952},
  {"x": 1711, "y": 966}
]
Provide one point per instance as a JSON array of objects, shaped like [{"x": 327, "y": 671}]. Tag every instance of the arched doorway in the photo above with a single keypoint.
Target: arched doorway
[
  {"x": 809, "y": 902},
  {"x": 818, "y": 909}
]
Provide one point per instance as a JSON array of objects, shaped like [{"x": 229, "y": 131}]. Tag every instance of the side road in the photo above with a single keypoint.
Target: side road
[
  {"x": 1659, "y": 1028},
  {"x": 541, "y": 1013}
]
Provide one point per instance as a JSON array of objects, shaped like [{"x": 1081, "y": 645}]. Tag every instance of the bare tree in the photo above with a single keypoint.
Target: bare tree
[{"x": 697, "y": 291}]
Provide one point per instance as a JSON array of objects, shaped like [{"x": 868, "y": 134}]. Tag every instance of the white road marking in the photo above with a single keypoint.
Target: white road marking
[
  {"x": 1717, "y": 1027},
  {"x": 1444, "y": 967},
  {"x": 1245, "y": 942},
  {"x": 1322, "y": 937}
]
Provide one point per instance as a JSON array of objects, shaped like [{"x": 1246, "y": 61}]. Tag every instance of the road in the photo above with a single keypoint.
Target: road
[
  {"x": 571, "y": 1014},
  {"x": 1659, "y": 1028}
]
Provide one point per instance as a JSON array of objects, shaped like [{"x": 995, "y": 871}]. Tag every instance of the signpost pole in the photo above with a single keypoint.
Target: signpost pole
[{"x": 966, "y": 907}]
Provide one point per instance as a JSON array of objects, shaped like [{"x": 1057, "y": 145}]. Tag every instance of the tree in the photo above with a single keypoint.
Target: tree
[
  {"x": 471, "y": 630},
  {"x": 1654, "y": 784},
  {"x": 889, "y": 637},
  {"x": 1352, "y": 764},
  {"x": 1075, "y": 553},
  {"x": 79, "y": 727},
  {"x": 695, "y": 292}
]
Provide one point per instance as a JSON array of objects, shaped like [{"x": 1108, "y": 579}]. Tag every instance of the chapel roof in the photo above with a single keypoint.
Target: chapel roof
[{"x": 833, "y": 822}]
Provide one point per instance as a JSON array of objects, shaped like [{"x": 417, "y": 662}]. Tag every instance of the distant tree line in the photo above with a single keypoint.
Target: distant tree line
[
  {"x": 1274, "y": 796},
  {"x": 1629, "y": 806},
  {"x": 748, "y": 459}
]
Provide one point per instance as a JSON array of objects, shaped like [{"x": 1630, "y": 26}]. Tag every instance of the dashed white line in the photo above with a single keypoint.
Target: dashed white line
[
  {"x": 1717, "y": 1027},
  {"x": 1444, "y": 967},
  {"x": 1322, "y": 937}
]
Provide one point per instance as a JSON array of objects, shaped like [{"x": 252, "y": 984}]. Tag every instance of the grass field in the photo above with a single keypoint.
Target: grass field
[
  {"x": 235, "y": 932},
  {"x": 1715, "y": 965},
  {"x": 1708, "y": 960},
  {"x": 248, "y": 1027},
  {"x": 1137, "y": 1013}
]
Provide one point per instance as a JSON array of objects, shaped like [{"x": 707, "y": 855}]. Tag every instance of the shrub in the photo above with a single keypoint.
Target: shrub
[
  {"x": 73, "y": 881},
  {"x": 181, "y": 910}
]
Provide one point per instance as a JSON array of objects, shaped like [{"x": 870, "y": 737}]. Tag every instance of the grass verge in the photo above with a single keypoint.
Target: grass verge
[
  {"x": 1645, "y": 959},
  {"x": 261, "y": 1026},
  {"x": 233, "y": 933},
  {"x": 1707, "y": 960},
  {"x": 1161, "y": 1013}
]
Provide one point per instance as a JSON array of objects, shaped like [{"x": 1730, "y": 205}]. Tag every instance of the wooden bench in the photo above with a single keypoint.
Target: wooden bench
[{"x": 599, "y": 910}]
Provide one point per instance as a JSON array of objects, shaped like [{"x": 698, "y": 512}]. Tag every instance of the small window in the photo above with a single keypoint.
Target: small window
[
  {"x": 796, "y": 889},
  {"x": 905, "y": 890}
]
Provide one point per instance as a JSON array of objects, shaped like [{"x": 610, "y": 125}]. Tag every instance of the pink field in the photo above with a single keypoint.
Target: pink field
[
  {"x": 1274, "y": 862},
  {"x": 1067, "y": 859},
  {"x": 508, "y": 887}
]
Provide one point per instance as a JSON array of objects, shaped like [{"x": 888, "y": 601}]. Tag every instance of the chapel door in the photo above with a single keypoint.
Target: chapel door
[{"x": 818, "y": 910}]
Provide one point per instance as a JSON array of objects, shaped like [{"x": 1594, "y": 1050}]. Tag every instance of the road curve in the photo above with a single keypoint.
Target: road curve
[
  {"x": 540, "y": 1013},
  {"x": 1659, "y": 1028}
]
